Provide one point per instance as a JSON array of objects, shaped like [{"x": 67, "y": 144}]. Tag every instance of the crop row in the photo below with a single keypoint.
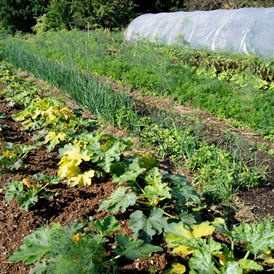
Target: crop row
[
  {"x": 161, "y": 203},
  {"x": 225, "y": 171},
  {"x": 238, "y": 93}
]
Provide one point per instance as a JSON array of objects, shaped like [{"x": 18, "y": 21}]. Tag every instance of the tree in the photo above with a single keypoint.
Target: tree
[
  {"x": 225, "y": 4},
  {"x": 81, "y": 13},
  {"x": 154, "y": 6},
  {"x": 104, "y": 13},
  {"x": 20, "y": 15},
  {"x": 58, "y": 15}
]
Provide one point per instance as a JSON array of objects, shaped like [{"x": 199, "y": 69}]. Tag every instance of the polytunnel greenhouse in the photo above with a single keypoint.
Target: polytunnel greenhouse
[{"x": 247, "y": 30}]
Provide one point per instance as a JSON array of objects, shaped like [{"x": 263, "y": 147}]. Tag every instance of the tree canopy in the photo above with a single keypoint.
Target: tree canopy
[{"x": 23, "y": 15}]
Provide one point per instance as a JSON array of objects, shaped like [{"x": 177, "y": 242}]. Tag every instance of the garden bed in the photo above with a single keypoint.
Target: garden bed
[{"x": 76, "y": 204}]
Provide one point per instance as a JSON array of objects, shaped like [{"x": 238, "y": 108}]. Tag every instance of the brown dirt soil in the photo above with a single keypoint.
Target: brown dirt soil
[
  {"x": 82, "y": 203},
  {"x": 68, "y": 203}
]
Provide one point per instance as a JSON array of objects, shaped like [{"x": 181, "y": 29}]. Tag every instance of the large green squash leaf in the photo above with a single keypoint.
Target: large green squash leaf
[
  {"x": 119, "y": 200},
  {"x": 231, "y": 267},
  {"x": 34, "y": 247},
  {"x": 156, "y": 190},
  {"x": 257, "y": 237},
  {"x": 145, "y": 227},
  {"x": 107, "y": 226},
  {"x": 134, "y": 249}
]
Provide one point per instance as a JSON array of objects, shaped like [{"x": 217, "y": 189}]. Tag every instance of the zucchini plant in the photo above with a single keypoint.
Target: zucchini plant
[
  {"x": 12, "y": 155},
  {"x": 73, "y": 249},
  {"x": 158, "y": 197},
  {"x": 210, "y": 256},
  {"x": 29, "y": 190}
]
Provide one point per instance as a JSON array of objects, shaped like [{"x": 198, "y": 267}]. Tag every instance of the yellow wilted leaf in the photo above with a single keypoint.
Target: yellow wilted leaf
[
  {"x": 26, "y": 182},
  {"x": 176, "y": 268},
  {"x": 267, "y": 257},
  {"x": 182, "y": 232},
  {"x": 75, "y": 238},
  {"x": 51, "y": 113},
  {"x": 203, "y": 229},
  {"x": 55, "y": 138},
  {"x": 74, "y": 156},
  {"x": 181, "y": 249},
  {"x": 82, "y": 179},
  {"x": 67, "y": 171},
  {"x": 219, "y": 221},
  {"x": 67, "y": 113},
  {"x": 58, "y": 111}
]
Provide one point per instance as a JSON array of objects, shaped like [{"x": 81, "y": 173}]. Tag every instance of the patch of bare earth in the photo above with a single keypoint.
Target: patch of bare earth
[{"x": 68, "y": 204}]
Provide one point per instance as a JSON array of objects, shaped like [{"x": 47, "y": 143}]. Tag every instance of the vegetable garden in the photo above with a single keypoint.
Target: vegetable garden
[{"x": 146, "y": 159}]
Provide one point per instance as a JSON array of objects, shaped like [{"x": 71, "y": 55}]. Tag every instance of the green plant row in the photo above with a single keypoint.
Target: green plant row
[
  {"x": 223, "y": 61},
  {"x": 85, "y": 156},
  {"x": 86, "y": 89},
  {"x": 241, "y": 95},
  {"x": 118, "y": 108},
  {"x": 161, "y": 204}
]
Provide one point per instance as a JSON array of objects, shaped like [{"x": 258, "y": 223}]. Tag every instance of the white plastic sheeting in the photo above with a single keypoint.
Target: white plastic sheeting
[{"x": 247, "y": 30}]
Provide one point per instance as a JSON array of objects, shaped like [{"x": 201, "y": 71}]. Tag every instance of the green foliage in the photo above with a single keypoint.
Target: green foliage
[
  {"x": 71, "y": 249},
  {"x": 134, "y": 249},
  {"x": 164, "y": 202},
  {"x": 34, "y": 247},
  {"x": 102, "y": 13},
  {"x": 222, "y": 171},
  {"x": 63, "y": 249},
  {"x": 107, "y": 226},
  {"x": 201, "y": 259},
  {"x": 107, "y": 149},
  {"x": 206, "y": 251},
  {"x": 219, "y": 174},
  {"x": 119, "y": 200},
  {"x": 19, "y": 15},
  {"x": 58, "y": 15},
  {"x": 81, "y": 13},
  {"x": 146, "y": 227},
  {"x": 169, "y": 140},
  {"x": 20, "y": 94},
  {"x": 151, "y": 189},
  {"x": 182, "y": 190},
  {"x": 200, "y": 78},
  {"x": 258, "y": 238},
  {"x": 29, "y": 191},
  {"x": 12, "y": 155},
  {"x": 127, "y": 171},
  {"x": 155, "y": 191},
  {"x": 155, "y": 6}
]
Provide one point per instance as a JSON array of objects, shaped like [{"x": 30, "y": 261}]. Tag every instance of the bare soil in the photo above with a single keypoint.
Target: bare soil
[
  {"x": 69, "y": 203},
  {"x": 82, "y": 203}
]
